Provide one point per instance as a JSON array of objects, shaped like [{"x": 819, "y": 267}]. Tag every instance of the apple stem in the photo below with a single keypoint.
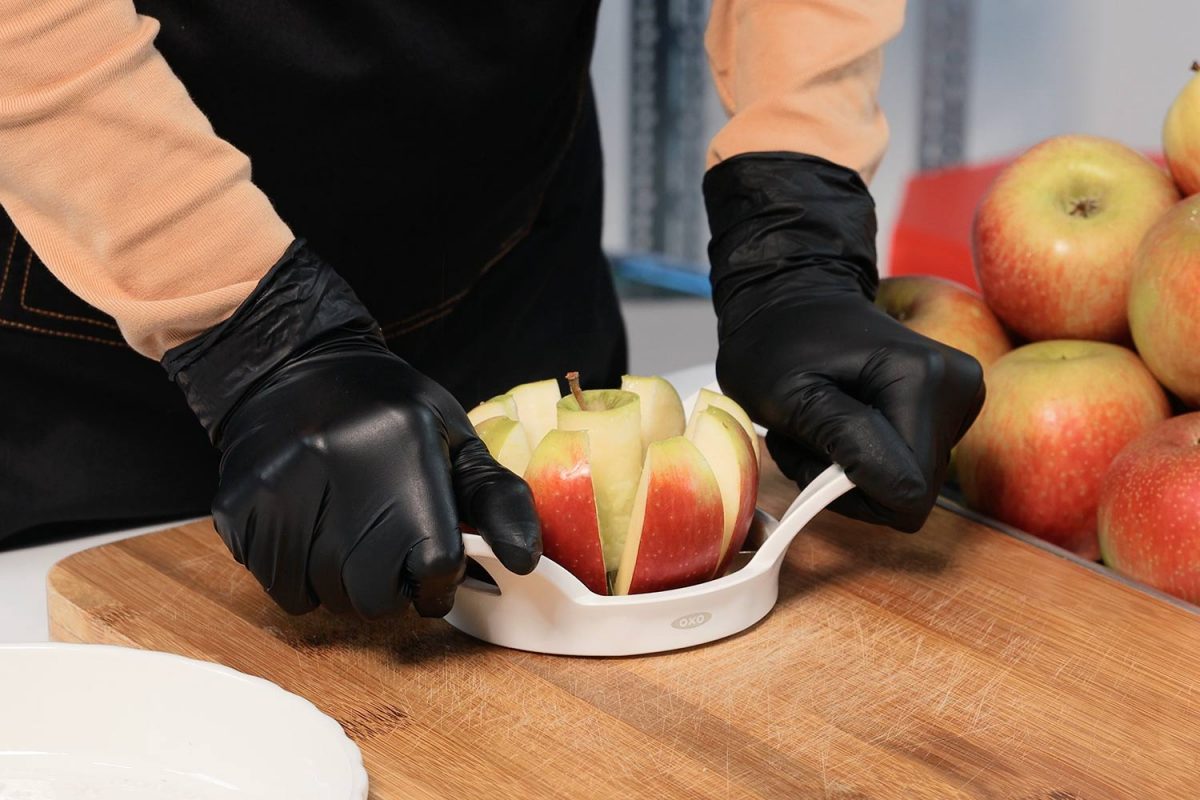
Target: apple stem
[
  {"x": 576, "y": 391},
  {"x": 1196, "y": 66}
]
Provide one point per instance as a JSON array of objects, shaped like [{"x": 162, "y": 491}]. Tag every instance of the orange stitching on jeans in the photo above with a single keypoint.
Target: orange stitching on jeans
[
  {"x": 432, "y": 314},
  {"x": 11, "y": 247},
  {"x": 55, "y": 314},
  {"x": 22, "y": 326},
  {"x": 443, "y": 313}
]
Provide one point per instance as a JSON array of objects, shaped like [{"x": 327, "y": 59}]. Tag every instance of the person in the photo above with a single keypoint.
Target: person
[{"x": 422, "y": 230}]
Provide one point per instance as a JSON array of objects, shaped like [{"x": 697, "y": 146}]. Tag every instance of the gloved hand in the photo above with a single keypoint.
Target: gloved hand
[
  {"x": 807, "y": 354},
  {"x": 344, "y": 471}
]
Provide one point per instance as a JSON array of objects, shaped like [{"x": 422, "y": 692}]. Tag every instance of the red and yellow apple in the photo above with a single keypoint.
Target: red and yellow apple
[
  {"x": 535, "y": 407},
  {"x": 946, "y": 312},
  {"x": 630, "y": 498},
  {"x": 613, "y": 421},
  {"x": 1181, "y": 136},
  {"x": 1149, "y": 514},
  {"x": 499, "y": 406},
  {"x": 662, "y": 417},
  {"x": 1056, "y": 415},
  {"x": 506, "y": 441},
  {"x": 708, "y": 398},
  {"x": 1164, "y": 300},
  {"x": 560, "y": 478},
  {"x": 727, "y": 448},
  {"x": 675, "y": 536},
  {"x": 1055, "y": 235}
]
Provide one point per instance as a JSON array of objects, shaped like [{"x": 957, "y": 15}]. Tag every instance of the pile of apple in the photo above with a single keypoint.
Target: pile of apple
[
  {"x": 1088, "y": 254},
  {"x": 631, "y": 499}
]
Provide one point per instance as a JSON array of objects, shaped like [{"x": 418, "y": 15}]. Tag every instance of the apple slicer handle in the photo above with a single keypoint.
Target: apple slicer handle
[
  {"x": 547, "y": 583},
  {"x": 824, "y": 489}
]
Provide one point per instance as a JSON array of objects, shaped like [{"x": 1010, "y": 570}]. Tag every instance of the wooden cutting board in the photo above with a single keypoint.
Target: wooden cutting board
[{"x": 957, "y": 663}]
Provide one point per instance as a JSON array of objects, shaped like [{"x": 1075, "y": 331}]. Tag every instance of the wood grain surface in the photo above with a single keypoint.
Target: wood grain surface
[{"x": 956, "y": 663}]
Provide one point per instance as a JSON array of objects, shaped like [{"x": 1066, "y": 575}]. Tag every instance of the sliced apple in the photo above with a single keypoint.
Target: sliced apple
[
  {"x": 730, "y": 455},
  {"x": 613, "y": 420},
  {"x": 499, "y": 406},
  {"x": 535, "y": 404},
  {"x": 662, "y": 410},
  {"x": 506, "y": 441},
  {"x": 710, "y": 398},
  {"x": 560, "y": 476},
  {"x": 677, "y": 525}
]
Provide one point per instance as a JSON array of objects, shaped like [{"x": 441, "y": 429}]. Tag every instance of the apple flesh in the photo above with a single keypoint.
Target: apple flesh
[
  {"x": 728, "y": 451},
  {"x": 499, "y": 406},
  {"x": 946, "y": 312},
  {"x": 1055, "y": 235},
  {"x": 1056, "y": 415},
  {"x": 707, "y": 398},
  {"x": 1164, "y": 300},
  {"x": 677, "y": 524},
  {"x": 1150, "y": 509},
  {"x": 1181, "y": 136},
  {"x": 613, "y": 421},
  {"x": 662, "y": 410},
  {"x": 535, "y": 404},
  {"x": 560, "y": 477},
  {"x": 506, "y": 441},
  {"x": 613, "y": 466}
]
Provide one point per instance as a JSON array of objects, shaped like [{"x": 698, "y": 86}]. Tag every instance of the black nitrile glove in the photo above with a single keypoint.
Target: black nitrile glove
[
  {"x": 344, "y": 471},
  {"x": 807, "y": 354}
]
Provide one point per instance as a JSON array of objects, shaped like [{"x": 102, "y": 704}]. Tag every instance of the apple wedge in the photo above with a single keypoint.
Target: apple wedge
[
  {"x": 506, "y": 441},
  {"x": 560, "y": 476},
  {"x": 677, "y": 525},
  {"x": 535, "y": 407},
  {"x": 662, "y": 410},
  {"x": 729, "y": 453},
  {"x": 499, "y": 406},
  {"x": 613, "y": 420},
  {"x": 708, "y": 398}
]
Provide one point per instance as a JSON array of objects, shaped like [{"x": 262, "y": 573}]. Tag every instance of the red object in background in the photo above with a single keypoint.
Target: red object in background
[{"x": 933, "y": 233}]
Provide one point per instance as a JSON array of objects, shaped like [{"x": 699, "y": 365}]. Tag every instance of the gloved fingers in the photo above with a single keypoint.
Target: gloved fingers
[
  {"x": 930, "y": 394},
  {"x": 826, "y": 420},
  {"x": 499, "y": 505},
  {"x": 802, "y": 465},
  {"x": 395, "y": 563},
  {"x": 267, "y": 523},
  {"x": 400, "y": 557},
  {"x": 392, "y": 536}
]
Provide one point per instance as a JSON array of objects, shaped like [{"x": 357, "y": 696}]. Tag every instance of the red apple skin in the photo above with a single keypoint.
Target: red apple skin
[
  {"x": 560, "y": 478},
  {"x": 683, "y": 527},
  {"x": 1150, "y": 509},
  {"x": 1057, "y": 413},
  {"x": 746, "y": 502},
  {"x": 1055, "y": 235},
  {"x": 945, "y": 311},
  {"x": 1164, "y": 300}
]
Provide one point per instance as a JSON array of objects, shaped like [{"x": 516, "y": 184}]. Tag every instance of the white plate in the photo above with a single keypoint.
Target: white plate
[{"x": 90, "y": 722}]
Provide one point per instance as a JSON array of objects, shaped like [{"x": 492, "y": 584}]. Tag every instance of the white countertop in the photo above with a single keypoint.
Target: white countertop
[
  {"x": 23, "y": 572},
  {"x": 23, "y": 575}
]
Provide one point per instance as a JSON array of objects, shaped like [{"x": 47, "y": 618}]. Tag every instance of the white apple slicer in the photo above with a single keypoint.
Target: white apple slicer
[{"x": 551, "y": 611}]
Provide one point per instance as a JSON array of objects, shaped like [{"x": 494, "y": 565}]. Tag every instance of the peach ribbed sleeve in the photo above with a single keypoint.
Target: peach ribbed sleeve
[
  {"x": 117, "y": 180},
  {"x": 802, "y": 76}
]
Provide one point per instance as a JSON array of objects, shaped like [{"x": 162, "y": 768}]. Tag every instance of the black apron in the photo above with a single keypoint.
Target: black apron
[{"x": 444, "y": 156}]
